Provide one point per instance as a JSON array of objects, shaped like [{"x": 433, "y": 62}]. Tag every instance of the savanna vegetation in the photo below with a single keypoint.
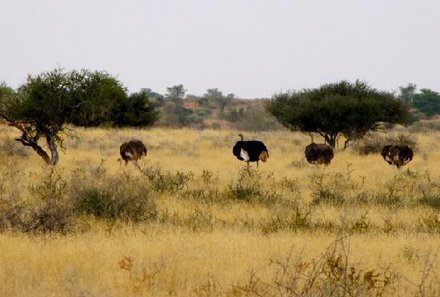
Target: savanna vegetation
[{"x": 191, "y": 220}]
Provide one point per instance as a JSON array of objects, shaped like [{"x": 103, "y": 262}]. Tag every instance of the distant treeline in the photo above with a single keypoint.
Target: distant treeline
[
  {"x": 90, "y": 99},
  {"x": 42, "y": 107}
]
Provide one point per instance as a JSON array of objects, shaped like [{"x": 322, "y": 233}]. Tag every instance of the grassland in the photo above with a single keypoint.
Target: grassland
[{"x": 191, "y": 220}]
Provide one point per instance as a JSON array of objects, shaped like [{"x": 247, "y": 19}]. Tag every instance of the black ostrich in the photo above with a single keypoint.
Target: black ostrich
[
  {"x": 250, "y": 151},
  {"x": 132, "y": 150}
]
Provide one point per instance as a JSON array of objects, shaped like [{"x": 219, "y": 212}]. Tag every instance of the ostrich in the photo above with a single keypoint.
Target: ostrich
[
  {"x": 250, "y": 151},
  {"x": 133, "y": 150},
  {"x": 398, "y": 155},
  {"x": 319, "y": 153}
]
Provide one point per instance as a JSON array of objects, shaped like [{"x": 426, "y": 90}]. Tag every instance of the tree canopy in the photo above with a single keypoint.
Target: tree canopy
[
  {"x": 137, "y": 110},
  {"x": 343, "y": 108}
]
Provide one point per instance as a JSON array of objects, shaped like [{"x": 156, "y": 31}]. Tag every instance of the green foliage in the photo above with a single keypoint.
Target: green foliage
[
  {"x": 135, "y": 111},
  {"x": 45, "y": 101},
  {"x": 427, "y": 101},
  {"x": 176, "y": 93},
  {"x": 174, "y": 113},
  {"x": 95, "y": 94},
  {"x": 40, "y": 109},
  {"x": 164, "y": 181},
  {"x": 337, "y": 109},
  {"x": 6, "y": 93},
  {"x": 407, "y": 93}
]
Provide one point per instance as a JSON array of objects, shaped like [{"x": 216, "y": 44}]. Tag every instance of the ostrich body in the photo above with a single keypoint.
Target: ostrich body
[
  {"x": 250, "y": 151},
  {"x": 319, "y": 153},
  {"x": 398, "y": 155},
  {"x": 132, "y": 150}
]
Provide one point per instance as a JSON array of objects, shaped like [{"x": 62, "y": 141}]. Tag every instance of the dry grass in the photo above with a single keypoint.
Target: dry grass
[{"x": 194, "y": 222}]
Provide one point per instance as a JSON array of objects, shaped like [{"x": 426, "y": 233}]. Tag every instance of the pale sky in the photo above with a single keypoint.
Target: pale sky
[{"x": 252, "y": 48}]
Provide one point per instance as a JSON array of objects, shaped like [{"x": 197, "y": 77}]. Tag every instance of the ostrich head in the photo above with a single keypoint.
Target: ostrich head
[{"x": 241, "y": 136}]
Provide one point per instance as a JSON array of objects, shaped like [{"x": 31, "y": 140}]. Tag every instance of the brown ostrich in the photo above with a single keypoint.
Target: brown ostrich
[
  {"x": 133, "y": 150},
  {"x": 397, "y": 155},
  {"x": 319, "y": 153}
]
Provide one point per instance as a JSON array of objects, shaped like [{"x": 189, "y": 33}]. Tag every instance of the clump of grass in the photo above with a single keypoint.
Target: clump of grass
[
  {"x": 299, "y": 219},
  {"x": 196, "y": 221},
  {"x": 429, "y": 223},
  {"x": 200, "y": 220},
  {"x": 337, "y": 188},
  {"x": 249, "y": 187},
  {"x": 204, "y": 189},
  {"x": 410, "y": 254},
  {"x": 360, "y": 224},
  {"x": 408, "y": 189},
  {"x": 12, "y": 147}
]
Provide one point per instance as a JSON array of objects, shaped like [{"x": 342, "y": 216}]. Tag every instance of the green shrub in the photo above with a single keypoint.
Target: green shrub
[
  {"x": 165, "y": 181},
  {"x": 249, "y": 188},
  {"x": 112, "y": 197}
]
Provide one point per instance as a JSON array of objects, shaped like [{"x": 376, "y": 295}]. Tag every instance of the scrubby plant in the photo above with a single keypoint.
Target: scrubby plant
[
  {"x": 165, "y": 181},
  {"x": 249, "y": 187},
  {"x": 336, "y": 188},
  {"x": 333, "y": 273},
  {"x": 104, "y": 196}
]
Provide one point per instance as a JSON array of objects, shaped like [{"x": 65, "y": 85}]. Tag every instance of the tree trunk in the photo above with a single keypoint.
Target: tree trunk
[
  {"x": 27, "y": 141},
  {"x": 53, "y": 149}
]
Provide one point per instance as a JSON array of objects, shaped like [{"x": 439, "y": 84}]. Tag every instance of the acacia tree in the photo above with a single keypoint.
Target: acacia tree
[
  {"x": 175, "y": 113},
  {"x": 46, "y": 102},
  {"x": 176, "y": 94},
  {"x": 39, "y": 109},
  {"x": 216, "y": 96},
  {"x": 343, "y": 108}
]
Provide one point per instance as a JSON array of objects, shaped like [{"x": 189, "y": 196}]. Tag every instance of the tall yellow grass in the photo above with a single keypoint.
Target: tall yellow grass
[{"x": 172, "y": 258}]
